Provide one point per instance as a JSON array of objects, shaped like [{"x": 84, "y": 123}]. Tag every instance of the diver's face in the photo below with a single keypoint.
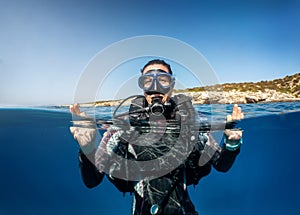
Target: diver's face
[{"x": 165, "y": 97}]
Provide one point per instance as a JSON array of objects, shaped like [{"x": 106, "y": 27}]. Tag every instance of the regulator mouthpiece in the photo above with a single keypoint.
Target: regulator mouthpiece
[{"x": 157, "y": 108}]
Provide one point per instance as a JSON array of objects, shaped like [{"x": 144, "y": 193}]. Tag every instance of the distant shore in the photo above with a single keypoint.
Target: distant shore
[
  {"x": 232, "y": 97},
  {"x": 285, "y": 89}
]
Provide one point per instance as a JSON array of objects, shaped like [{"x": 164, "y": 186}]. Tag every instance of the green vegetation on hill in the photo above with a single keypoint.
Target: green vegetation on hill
[{"x": 288, "y": 84}]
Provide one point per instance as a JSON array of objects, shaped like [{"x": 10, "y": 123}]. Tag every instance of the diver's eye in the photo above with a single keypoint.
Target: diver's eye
[
  {"x": 147, "y": 81},
  {"x": 165, "y": 81}
]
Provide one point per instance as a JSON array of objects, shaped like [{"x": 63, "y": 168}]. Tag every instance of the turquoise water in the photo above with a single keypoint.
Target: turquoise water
[{"x": 40, "y": 175}]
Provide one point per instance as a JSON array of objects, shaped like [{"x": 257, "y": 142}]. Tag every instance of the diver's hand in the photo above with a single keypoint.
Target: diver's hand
[
  {"x": 233, "y": 137},
  {"x": 237, "y": 114},
  {"x": 75, "y": 110},
  {"x": 83, "y": 131}
]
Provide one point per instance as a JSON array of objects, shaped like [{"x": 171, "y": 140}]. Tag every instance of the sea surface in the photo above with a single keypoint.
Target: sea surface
[{"x": 40, "y": 174}]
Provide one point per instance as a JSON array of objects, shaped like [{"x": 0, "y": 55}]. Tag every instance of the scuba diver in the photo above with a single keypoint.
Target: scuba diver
[{"x": 156, "y": 165}]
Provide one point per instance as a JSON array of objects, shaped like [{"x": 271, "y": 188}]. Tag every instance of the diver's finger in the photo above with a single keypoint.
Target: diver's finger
[
  {"x": 235, "y": 112},
  {"x": 72, "y": 130},
  {"x": 228, "y": 118},
  {"x": 77, "y": 109},
  {"x": 242, "y": 115},
  {"x": 238, "y": 113},
  {"x": 71, "y": 108}
]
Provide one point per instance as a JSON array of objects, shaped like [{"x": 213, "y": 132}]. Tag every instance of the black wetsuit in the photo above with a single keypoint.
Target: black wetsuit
[{"x": 168, "y": 190}]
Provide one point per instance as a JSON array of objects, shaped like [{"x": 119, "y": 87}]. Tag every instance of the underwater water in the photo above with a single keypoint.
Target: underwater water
[{"x": 40, "y": 174}]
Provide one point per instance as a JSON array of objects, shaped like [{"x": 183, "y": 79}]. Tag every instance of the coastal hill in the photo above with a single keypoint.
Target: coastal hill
[
  {"x": 285, "y": 89},
  {"x": 277, "y": 90}
]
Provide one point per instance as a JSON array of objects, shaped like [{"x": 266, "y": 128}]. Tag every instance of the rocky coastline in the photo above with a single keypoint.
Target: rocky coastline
[
  {"x": 237, "y": 97},
  {"x": 286, "y": 89}
]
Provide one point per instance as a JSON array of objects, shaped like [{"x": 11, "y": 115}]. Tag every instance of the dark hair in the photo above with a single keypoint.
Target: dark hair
[{"x": 158, "y": 61}]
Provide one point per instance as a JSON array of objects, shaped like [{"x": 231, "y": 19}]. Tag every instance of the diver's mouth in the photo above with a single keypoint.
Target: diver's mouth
[
  {"x": 157, "y": 96},
  {"x": 150, "y": 93}
]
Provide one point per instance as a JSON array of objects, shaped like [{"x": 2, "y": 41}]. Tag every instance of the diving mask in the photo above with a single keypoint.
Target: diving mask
[{"x": 156, "y": 80}]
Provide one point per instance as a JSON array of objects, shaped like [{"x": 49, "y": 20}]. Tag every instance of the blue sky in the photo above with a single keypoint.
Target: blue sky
[{"x": 45, "y": 45}]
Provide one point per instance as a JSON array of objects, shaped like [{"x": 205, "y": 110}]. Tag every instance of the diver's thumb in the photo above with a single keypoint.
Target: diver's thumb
[{"x": 72, "y": 130}]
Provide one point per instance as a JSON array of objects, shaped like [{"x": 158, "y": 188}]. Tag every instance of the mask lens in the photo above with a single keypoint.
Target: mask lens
[
  {"x": 164, "y": 80},
  {"x": 146, "y": 81}
]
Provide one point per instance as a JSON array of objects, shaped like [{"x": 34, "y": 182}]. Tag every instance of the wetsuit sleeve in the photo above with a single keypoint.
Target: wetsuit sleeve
[
  {"x": 226, "y": 159},
  {"x": 89, "y": 173},
  {"x": 223, "y": 158}
]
